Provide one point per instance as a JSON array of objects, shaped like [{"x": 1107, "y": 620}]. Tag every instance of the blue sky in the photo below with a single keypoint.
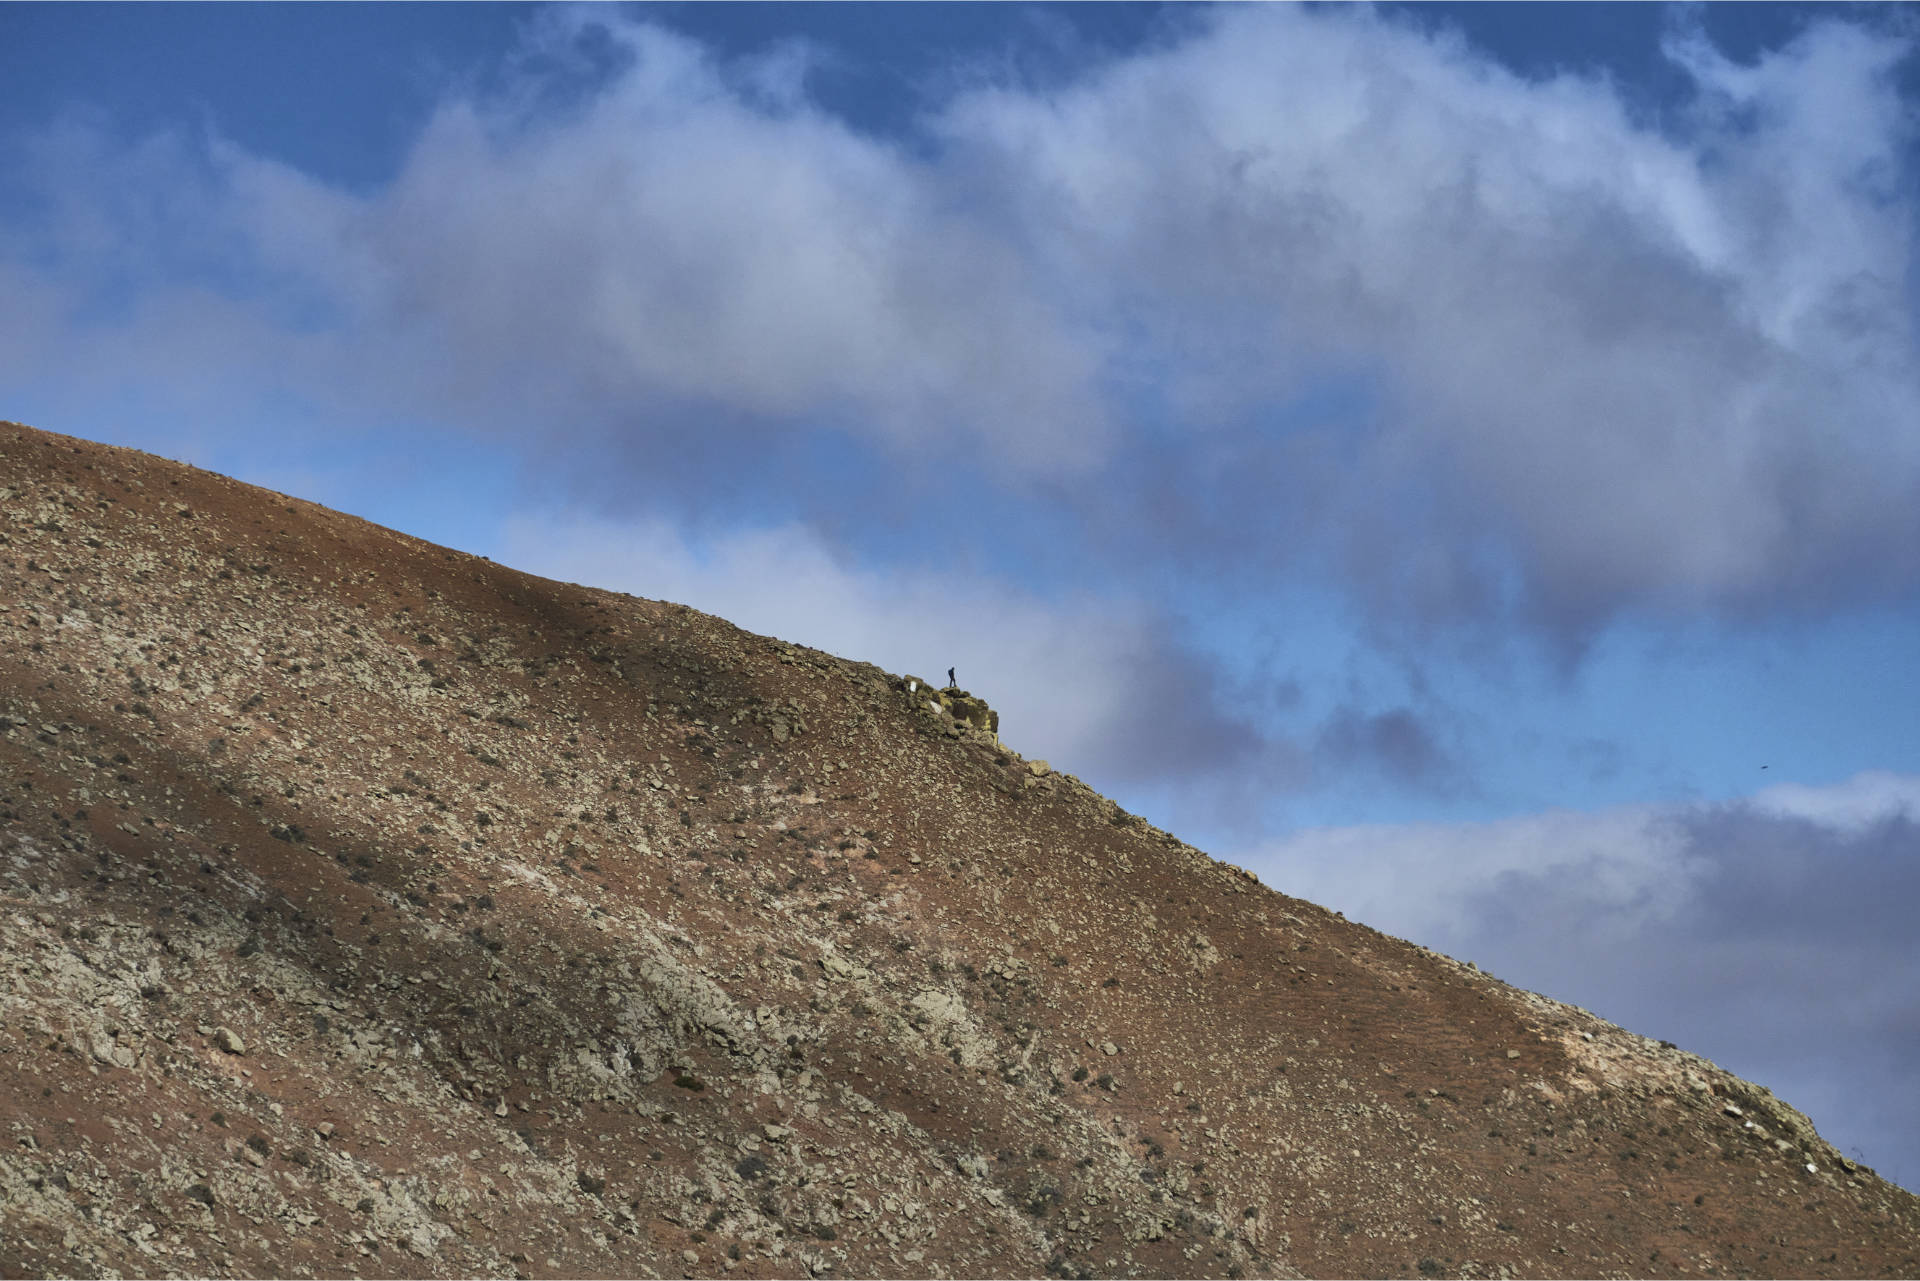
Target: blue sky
[{"x": 1457, "y": 461}]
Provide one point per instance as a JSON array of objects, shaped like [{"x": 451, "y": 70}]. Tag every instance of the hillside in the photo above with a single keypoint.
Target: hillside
[{"x": 367, "y": 908}]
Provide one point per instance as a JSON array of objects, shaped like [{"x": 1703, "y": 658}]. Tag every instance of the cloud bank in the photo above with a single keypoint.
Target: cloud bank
[{"x": 1597, "y": 365}]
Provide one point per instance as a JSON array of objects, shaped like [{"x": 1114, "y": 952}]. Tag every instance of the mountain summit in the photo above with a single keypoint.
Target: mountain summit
[{"x": 368, "y": 908}]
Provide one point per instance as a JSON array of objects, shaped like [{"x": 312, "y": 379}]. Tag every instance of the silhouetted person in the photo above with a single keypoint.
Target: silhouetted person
[{"x": 950, "y": 681}]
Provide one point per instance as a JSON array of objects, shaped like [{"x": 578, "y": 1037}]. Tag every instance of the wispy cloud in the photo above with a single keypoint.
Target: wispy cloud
[{"x": 1398, "y": 742}]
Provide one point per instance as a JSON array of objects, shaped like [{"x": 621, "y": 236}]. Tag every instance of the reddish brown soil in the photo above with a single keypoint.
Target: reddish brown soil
[{"x": 565, "y": 933}]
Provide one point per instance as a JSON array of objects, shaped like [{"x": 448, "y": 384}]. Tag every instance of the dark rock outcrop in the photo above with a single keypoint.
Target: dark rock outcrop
[{"x": 958, "y": 711}]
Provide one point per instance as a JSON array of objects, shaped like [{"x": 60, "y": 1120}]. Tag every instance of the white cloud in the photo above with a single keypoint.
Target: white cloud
[
  {"x": 1858, "y": 805},
  {"x": 1658, "y": 370},
  {"x": 1629, "y": 867},
  {"x": 692, "y": 233},
  {"x": 1615, "y": 367},
  {"x": 1422, "y": 881},
  {"x": 678, "y": 238}
]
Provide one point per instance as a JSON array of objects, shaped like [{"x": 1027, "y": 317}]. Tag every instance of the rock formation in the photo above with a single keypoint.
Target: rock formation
[{"x": 959, "y": 712}]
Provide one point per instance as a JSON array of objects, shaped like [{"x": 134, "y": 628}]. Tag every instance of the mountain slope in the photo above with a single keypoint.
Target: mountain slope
[{"x": 370, "y": 908}]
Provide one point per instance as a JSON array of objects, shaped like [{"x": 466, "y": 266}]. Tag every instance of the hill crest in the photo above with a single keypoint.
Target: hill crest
[{"x": 371, "y": 908}]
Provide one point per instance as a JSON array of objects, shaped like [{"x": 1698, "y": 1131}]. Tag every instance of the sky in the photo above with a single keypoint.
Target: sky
[{"x": 1458, "y": 462}]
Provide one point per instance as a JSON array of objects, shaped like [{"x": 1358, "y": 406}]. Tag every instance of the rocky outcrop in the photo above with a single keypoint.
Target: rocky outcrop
[{"x": 961, "y": 712}]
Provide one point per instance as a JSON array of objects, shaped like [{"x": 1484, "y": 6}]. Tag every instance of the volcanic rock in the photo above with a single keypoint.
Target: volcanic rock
[{"x": 532, "y": 929}]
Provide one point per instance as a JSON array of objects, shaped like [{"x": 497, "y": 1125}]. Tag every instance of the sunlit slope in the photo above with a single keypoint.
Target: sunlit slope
[{"x": 370, "y": 908}]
